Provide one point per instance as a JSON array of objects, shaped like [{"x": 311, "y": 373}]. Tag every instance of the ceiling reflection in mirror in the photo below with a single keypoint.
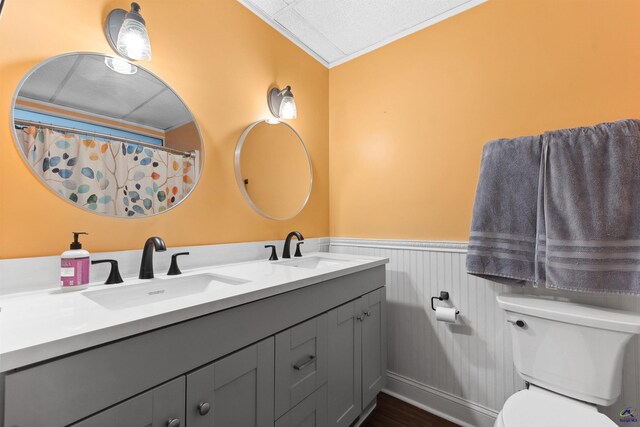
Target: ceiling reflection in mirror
[
  {"x": 106, "y": 135},
  {"x": 273, "y": 169}
]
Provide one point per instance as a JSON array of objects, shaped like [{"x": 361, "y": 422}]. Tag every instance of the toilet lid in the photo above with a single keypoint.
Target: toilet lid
[{"x": 536, "y": 407}]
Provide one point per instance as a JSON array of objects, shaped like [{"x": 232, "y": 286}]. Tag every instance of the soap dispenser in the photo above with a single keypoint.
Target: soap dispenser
[{"x": 74, "y": 266}]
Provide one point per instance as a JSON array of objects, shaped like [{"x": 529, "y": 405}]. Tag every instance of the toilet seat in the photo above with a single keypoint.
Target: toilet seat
[{"x": 537, "y": 407}]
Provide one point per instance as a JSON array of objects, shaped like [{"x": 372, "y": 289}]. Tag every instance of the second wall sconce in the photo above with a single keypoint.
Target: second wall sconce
[
  {"x": 127, "y": 33},
  {"x": 281, "y": 103}
]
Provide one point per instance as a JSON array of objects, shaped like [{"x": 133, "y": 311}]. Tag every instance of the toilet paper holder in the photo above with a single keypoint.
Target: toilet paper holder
[{"x": 444, "y": 296}]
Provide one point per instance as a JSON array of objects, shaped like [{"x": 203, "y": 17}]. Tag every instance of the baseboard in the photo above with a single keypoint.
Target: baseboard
[
  {"x": 445, "y": 405},
  {"x": 365, "y": 414}
]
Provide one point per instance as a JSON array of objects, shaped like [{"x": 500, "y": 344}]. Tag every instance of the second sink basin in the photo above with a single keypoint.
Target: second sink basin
[
  {"x": 159, "y": 289},
  {"x": 314, "y": 262}
]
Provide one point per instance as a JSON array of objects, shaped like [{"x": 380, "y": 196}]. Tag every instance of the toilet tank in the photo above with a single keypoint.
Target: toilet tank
[{"x": 573, "y": 349}]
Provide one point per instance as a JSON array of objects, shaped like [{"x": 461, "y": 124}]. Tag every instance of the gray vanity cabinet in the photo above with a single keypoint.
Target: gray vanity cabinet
[
  {"x": 301, "y": 362},
  {"x": 345, "y": 359},
  {"x": 307, "y": 357},
  {"x": 357, "y": 356},
  {"x": 162, "y": 406},
  {"x": 235, "y": 391}
]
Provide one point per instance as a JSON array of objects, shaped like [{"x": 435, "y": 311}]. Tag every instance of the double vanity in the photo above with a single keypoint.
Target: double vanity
[
  {"x": 292, "y": 342},
  {"x": 299, "y": 341}
]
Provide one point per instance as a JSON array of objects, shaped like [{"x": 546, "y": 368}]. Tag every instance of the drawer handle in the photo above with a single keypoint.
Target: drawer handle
[
  {"x": 360, "y": 318},
  {"x": 305, "y": 364},
  {"x": 367, "y": 313},
  {"x": 173, "y": 422},
  {"x": 204, "y": 408}
]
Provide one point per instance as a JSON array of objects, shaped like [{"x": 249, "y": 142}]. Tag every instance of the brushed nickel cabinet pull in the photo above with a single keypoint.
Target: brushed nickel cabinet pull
[{"x": 305, "y": 364}]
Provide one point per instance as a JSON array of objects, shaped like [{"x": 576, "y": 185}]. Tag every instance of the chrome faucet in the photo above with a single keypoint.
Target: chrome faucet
[
  {"x": 146, "y": 266},
  {"x": 286, "y": 253}
]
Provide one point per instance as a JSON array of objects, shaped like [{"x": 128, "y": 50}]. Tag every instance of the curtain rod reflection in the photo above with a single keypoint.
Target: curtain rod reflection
[{"x": 22, "y": 124}]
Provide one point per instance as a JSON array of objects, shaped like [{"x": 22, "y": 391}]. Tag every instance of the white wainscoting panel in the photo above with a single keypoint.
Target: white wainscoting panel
[{"x": 463, "y": 371}]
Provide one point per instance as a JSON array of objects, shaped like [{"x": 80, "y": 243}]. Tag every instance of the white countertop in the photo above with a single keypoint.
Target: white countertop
[{"x": 39, "y": 325}]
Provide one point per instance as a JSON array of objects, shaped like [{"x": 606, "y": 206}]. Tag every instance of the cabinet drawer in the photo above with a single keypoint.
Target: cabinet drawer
[
  {"x": 301, "y": 362},
  {"x": 311, "y": 412},
  {"x": 155, "y": 408}
]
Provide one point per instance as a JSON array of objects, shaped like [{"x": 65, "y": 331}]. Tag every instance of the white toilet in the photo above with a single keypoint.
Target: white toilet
[{"x": 571, "y": 355}]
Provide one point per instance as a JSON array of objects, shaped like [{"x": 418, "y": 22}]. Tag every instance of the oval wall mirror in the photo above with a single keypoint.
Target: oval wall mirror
[
  {"x": 106, "y": 135},
  {"x": 273, "y": 169}
]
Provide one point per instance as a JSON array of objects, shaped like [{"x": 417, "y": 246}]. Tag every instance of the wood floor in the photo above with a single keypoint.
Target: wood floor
[{"x": 392, "y": 412}]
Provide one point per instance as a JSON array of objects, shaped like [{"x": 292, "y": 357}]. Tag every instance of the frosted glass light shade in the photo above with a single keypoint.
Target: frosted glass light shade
[
  {"x": 133, "y": 40},
  {"x": 120, "y": 65},
  {"x": 288, "y": 108},
  {"x": 281, "y": 103}
]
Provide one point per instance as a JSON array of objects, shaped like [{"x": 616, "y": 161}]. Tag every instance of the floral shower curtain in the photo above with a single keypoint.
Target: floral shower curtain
[{"x": 110, "y": 177}]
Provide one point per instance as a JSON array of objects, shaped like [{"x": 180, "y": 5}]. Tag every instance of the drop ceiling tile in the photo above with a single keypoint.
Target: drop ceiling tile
[
  {"x": 353, "y": 25},
  {"x": 335, "y": 31},
  {"x": 163, "y": 111},
  {"x": 308, "y": 35},
  {"x": 43, "y": 84},
  {"x": 94, "y": 88}
]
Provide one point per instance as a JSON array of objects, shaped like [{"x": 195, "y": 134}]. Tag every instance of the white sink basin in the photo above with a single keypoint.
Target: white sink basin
[
  {"x": 314, "y": 262},
  {"x": 159, "y": 289}
]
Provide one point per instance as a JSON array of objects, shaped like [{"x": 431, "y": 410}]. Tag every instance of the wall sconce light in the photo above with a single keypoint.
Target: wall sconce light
[
  {"x": 281, "y": 103},
  {"x": 127, "y": 33}
]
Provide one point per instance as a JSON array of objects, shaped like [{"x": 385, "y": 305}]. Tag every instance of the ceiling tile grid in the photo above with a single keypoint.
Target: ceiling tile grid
[
  {"x": 336, "y": 31},
  {"x": 85, "y": 84}
]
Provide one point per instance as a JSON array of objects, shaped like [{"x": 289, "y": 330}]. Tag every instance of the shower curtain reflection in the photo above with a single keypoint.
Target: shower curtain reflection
[{"x": 110, "y": 177}]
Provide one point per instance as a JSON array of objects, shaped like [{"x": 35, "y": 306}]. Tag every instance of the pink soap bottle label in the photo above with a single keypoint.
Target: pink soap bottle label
[{"x": 74, "y": 272}]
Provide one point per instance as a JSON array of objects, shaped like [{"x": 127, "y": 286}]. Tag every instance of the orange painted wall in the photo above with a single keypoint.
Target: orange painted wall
[
  {"x": 182, "y": 138},
  {"x": 221, "y": 59},
  {"x": 408, "y": 121}
]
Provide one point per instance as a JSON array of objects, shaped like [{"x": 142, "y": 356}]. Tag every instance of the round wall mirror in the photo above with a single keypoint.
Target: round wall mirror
[
  {"x": 273, "y": 169},
  {"x": 106, "y": 135}
]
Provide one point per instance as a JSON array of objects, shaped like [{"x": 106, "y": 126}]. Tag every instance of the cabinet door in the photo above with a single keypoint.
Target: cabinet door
[
  {"x": 344, "y": 385},
  {"x": 311, "y": 412},
  {"x": 238, "y": 390},
  {"x": 161, "y": 407},
  {"x": 301, "y": 362},
  {"x": 374, "y": 345}
]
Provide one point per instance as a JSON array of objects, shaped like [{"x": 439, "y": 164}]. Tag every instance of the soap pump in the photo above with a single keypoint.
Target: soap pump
[{"x": 74, "y": 265}]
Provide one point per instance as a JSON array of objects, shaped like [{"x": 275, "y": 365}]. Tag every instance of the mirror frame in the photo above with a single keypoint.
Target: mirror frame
[
  {"x": 38, "y": 178},
  {"x": 240, "y": 179}
]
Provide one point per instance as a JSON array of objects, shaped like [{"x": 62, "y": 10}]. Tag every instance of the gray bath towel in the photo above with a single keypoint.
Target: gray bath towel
[
  {"x": 592, "y": 208},
  {"x": 586, "y": 226},
  {"x": 502, "y": 241}
]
